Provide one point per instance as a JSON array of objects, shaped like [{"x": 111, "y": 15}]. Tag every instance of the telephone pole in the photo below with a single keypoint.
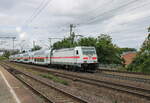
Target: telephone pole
[
  {"x": 33, "y": 43},
  {"x": 13, "y": 39},
  {"x": 72, "y": 34},
  {"x": 71, "y": 28}
]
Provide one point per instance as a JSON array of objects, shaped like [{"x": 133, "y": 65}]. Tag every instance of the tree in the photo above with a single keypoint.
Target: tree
[
  {"x": 14, "y": 52},
  {"x": 107, "y": 52},
  {"x": 6, "y": 54},
  {"x": 87, "y": 41},
  {"x": 142, "y": 61},
  {"x": 36, "y": 47},
  {"x": 122, "y": 50},
  {"x": 65, "y": 43}
]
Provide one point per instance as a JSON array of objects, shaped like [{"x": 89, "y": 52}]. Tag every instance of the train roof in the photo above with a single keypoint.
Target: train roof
[{"x": 74, "y": 48}]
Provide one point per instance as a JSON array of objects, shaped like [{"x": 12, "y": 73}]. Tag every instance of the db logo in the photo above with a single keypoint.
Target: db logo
[{"x": 90, "y": 57}]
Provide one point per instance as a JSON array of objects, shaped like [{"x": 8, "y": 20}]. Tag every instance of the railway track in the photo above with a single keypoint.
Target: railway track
[
  {"x": 118, "y": 71},
  {"x": 120, "y": 77},
  {"x": 141, "y": 92},
  {"x": 124, "y": 75},
  {"x": 47, "y": 91}
]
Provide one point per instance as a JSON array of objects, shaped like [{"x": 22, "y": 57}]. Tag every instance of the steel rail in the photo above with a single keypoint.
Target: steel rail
[
  {"x": 115, "y": 86},
  {"x": 118, "y": 71},
  {"x": 47, "y": 84},
  {"x": 28, "y": 85}
]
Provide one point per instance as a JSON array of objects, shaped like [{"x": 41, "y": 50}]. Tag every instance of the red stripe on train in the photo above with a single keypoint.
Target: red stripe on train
[
  {"x": 49, "y": 57},
  {"x": 85, "y": 58}
]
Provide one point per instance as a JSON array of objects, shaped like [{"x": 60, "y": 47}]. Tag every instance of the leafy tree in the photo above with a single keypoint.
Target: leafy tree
[
  {"x": 14, "y": 52},
  {"x": 87, "y": 41},
  {"x": 6, "y": 54},
  {"x": 65, "y": 43},
  {"x": 36, "y": 47},
  {"x": 107, "y": 52},
  {"x": 127, "y": 50},
  {"x": 142, "y": 62}
]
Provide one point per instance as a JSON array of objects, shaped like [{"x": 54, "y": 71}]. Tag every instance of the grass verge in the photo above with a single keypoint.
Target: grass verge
[{"x": 54, "y": 78}]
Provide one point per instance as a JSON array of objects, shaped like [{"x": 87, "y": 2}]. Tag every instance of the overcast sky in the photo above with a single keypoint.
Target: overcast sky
[{"x": 126, "y": 21}]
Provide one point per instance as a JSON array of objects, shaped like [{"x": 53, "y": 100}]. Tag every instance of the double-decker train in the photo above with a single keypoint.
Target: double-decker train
[{"x": 77, "y": 58}]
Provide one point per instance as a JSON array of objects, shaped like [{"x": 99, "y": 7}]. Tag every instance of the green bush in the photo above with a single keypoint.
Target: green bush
[
  {"x": 54, "y": 78},
  {"x": 3, "y": 58},
  {"x": 142, "y": 61}
]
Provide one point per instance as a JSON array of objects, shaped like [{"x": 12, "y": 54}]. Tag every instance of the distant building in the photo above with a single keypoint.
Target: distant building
[{"x": 128, "y": 57}]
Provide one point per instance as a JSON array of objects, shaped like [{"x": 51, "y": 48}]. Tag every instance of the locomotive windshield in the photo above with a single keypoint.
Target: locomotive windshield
[{"x": 88, "y": 51}]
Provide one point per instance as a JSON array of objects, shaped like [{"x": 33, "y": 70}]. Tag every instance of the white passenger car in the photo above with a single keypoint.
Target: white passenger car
[
  {"x": 41, "y": 57},
  {"x": 81, "y": 57}
]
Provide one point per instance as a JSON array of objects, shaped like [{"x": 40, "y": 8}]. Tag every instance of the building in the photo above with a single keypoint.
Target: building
[{"x": 128, "y": 57}]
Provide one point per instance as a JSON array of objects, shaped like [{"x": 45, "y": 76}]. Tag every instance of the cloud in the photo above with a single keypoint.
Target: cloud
[
  {"x": 23, "y": 36},
  {"x": 18, "y": 29},
  {"x": 7, "y": 4},
  {"x": 123, "y": 20}
]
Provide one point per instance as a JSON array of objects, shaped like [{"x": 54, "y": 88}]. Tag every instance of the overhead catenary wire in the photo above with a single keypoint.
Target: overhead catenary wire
[
  {"x": 44, "y": 6},
  {"x": 35, "y": 11},
  {"x": 91, "y": 20},
  {"x": 101, "y": 15},
  {"x": 40, "y": 8},
  {"x": 131, "y": 9}
]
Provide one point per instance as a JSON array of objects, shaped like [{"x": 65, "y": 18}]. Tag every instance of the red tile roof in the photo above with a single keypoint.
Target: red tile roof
[{"x": 128, "y": 57}]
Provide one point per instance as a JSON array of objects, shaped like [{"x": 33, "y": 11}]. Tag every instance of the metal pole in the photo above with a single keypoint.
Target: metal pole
[
  {"x": 13, "y": 42},
  {"x": 33, "y": 43},
  {"x": 71, "y": 26},
  {"x": 50, "y": 45}
]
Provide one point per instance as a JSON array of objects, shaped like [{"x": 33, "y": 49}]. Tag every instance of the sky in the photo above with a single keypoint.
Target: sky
[{"x": 126, "y": 21}]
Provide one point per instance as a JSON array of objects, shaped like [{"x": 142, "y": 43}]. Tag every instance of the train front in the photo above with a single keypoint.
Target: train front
[{"x": 89, "y": 58}]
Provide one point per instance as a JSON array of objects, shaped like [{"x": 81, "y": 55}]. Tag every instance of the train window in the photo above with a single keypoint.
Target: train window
[
  {"x": 39, "y": 60},
  {"x": 88, "y": 51},
  {"x": 77, "y": 52}
]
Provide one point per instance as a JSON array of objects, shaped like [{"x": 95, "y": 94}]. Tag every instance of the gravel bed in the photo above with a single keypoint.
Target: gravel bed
[
  {"x": 37, "y": 97},
  {"x": 51, "y": 93},
  {"x": 134, "y": 79},
  {"x": 129, "y": 75},
  {"x": 97, "y": 76},
  {"x": 104, "y": 95},
  {"x": 88, "y": 97},
  {"x": 107, "y": 94}
]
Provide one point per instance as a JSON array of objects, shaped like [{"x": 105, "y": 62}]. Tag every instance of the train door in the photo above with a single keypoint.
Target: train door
[{"x": 76, "y": 55}]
